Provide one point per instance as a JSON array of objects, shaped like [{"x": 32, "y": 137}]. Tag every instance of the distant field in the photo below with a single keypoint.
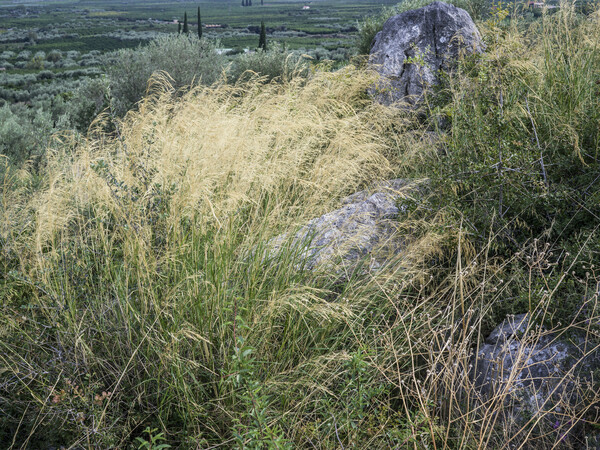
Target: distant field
[
  {"x": 42, "y": 40},
  {"x": 85, "y": 25}
]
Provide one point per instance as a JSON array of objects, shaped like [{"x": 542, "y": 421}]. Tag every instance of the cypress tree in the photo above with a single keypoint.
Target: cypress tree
[
  {"x": 261, "y": 2},
  {"x": 178, "y": 27},
  {"x": 262, "y": 40},
  {"x": 249, "y": 2},
  {"x": 186, "y": 28},
  {"x": 199, "y": 24}
]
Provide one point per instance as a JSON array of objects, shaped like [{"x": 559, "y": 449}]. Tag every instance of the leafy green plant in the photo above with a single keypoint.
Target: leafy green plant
[
  {"x": 253, "y": 428},
  {"x": 153, "y": 442}
]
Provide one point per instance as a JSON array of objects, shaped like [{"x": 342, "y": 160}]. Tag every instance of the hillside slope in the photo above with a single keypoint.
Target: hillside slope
[{"x": 140, "y": 298}]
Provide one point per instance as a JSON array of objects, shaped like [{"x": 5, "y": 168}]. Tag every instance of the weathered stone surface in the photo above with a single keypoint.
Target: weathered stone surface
[
  {"x": 535, "y": 374},
  {"x": 435, "y": 35},
  {"x": 510, "y": 353},
  {"x": 364, "y": 226}
]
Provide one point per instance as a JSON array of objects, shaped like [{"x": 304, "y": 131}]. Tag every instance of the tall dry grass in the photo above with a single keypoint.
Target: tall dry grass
[{"x": 140, "y": 261}]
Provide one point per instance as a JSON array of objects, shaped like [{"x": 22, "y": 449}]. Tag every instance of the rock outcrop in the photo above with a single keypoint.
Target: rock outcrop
[
  {"x": 363, "y": 227},
  {"x": 538, "y": 377},
  {"x": 415, "y": 45}
]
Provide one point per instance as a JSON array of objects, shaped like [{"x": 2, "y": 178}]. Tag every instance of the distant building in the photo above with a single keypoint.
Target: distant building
[{"x": 306, "y": 7}]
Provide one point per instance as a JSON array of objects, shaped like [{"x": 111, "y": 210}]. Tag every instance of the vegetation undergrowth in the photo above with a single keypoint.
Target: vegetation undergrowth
[
  {"x": 143, "y": 306},
  {"x": 522, "y": 135},
  {"x": 142, "y": 262}
]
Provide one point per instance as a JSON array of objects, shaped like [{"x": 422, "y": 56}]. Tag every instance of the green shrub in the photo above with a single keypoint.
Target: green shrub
[
  {"x": 276, "y": 62},
  {"x": 45, "y": 75},
  {"x": 25, "y": 55},
  {"x": 187, "y": 60},
  {"x": 54, "y": 56},
  {"x": 523, "y": 151},
  {"x": 89, "y": 100},
  {"x": 23, "y": 133},
  {"x": 37, "y": 63}
]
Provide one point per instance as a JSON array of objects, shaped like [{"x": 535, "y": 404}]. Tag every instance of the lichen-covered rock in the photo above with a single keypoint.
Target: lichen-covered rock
[
  {"x": 538, "y": 377},
  {"x": 512, "y": 354},
  {"x": 415, "y": 45},
  {"x": 363, "y": 227}
]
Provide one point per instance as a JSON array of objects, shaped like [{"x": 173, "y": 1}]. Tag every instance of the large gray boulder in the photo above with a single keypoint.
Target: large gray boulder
[
  {"x": 537, "y": 378},
  {"x": 415, "y": 45},
  {"x": 364, "y": 227}
]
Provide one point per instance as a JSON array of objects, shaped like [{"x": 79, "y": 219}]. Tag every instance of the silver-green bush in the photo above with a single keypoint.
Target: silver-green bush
[
  {"x": 187, "y": 59},
  {"x": 276, "y": 62}
]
